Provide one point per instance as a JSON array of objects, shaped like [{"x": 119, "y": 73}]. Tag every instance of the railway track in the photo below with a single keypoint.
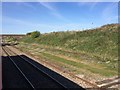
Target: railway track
[
  {"x": 36, "y": 75},
  {"x": 92, "y": 85},
  {"x": 32, "y": 75},
  {"x": 11, "y": 72},
  {"x": 102, "y": 84},
  {"x": 109, "y": 82}
]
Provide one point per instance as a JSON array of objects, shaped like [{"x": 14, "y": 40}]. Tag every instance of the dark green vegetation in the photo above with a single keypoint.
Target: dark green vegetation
[
  {"x": 99, "y": 45},
  {"x": 34, "y": 34}
]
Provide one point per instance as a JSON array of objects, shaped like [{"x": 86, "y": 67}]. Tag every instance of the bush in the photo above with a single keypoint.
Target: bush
[
  {"x": 28, "y": 34},
  {"x": 34, "y": 34}
]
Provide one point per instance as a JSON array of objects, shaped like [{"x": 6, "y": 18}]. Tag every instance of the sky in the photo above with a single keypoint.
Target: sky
[{"x": 23, "y": 17}]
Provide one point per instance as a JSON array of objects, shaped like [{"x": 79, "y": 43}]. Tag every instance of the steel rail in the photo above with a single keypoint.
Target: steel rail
[
  {"x": 71, "y": 74},
  {"x": 8, "y": 54},
  {"x": 40, "y": 70}
]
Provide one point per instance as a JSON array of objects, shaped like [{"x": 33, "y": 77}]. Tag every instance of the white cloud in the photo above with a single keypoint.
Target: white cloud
[
  {"x": 48, "y": 6},
  {"x": 53, "y": 10},
  {"x": 93, "y": 5},
  {"x": 90, "y": 4},
  {"x": 108, "y": 13},
  {"x": 113, "y": 19},
  {"x": 26, "y": 26},
  {"x": 28, "y": 5},
  {"x": 59, "y": 16},
  {"x": 16, "y": 21}
]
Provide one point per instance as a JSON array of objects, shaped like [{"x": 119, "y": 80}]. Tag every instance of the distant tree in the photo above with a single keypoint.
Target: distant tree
[
  {"x": 35, "y": 34},
  {"x": 28, "y": 33}
]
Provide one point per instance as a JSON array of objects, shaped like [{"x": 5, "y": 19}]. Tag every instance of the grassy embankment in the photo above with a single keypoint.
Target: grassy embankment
[{"x": 95, "y": 50}]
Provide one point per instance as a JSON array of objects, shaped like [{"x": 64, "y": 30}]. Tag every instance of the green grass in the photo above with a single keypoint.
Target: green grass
[
  {"x": 104, "y": 72},
  {"x": 102, "y": 41},
  {"x": 99, "y": 45}
]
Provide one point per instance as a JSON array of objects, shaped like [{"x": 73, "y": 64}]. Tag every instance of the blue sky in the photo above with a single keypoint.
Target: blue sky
[{"x": 23, "y": 17}]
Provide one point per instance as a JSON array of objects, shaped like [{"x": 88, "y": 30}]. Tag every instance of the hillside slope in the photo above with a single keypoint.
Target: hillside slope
[
  {"x": 103, "y": 39},
  {"x": 102, "y": 42}
]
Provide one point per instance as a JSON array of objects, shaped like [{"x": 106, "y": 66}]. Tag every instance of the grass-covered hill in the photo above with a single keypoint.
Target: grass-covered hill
[
  {"x": 103, "y": 39},
  {"x": 93, "y": 51}
]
